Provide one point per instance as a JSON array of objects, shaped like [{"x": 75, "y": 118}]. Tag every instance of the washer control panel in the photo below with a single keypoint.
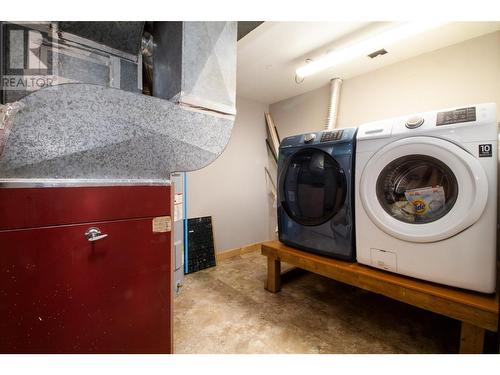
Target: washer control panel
[
  {"x": 456, "y": 116},
  {"x": 414, "y": 122},
  {"x": 331, "y": 136}
]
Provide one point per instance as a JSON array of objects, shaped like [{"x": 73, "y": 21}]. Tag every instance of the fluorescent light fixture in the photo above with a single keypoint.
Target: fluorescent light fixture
[{"x": 366, "y": 46}]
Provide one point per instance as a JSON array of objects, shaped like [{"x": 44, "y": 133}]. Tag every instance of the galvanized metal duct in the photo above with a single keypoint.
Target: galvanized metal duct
[
  {"x": 333, "y": 104},
  {"x": 89, "y": 128},
  {"x": 120, "y": 35}
]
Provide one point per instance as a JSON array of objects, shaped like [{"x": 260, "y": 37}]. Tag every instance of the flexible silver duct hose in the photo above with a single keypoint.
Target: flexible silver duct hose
[
  {"x": 147, "y": 51},
  {"x": 333, "y": 105}
]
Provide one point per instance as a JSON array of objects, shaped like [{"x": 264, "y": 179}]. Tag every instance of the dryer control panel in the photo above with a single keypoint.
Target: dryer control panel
[
  {"x": 331, "y": 135},
  {"x": 319, "y": 138}
]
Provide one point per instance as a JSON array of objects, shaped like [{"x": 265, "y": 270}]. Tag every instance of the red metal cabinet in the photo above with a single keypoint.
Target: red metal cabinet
[{"x": 60, "y": 293}]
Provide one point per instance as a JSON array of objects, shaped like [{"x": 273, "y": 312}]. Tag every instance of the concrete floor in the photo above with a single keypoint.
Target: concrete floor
[{"x": 225, "y": 309}]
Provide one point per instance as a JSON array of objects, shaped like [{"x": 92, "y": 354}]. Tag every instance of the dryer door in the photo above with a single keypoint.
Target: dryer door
[
  {"x": 423, "y": 189},
  {"x": 313, "y": 187}
]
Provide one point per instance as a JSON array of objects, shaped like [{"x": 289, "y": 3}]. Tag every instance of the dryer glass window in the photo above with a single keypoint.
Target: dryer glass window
[
  {"x": 314, "y": 187},
  {"x": 417, "y": 189}
]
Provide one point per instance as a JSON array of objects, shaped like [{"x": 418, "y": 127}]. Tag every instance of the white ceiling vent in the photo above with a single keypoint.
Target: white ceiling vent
[{"x": 377, "y": 53}]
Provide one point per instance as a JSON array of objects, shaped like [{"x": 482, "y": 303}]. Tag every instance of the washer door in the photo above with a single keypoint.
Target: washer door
[
  {"x": 423, "y": 189},
  {"x": 313, "y": 187}
]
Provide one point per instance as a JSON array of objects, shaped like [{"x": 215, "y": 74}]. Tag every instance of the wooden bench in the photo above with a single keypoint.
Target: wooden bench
[{"x": 476, "y": 311}]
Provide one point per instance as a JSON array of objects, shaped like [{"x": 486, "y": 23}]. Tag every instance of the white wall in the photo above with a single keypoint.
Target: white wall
[
  {"x": 233, "y": 189},
  {"x": 462, "y": 74}
]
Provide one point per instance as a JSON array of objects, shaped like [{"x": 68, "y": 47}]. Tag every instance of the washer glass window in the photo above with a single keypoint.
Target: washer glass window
[
  {"x": 417, "y": 189},
  {"x": 314, "y": 187}
]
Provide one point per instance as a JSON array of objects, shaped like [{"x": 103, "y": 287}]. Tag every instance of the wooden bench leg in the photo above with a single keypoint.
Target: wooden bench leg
[
  {"x": 273, "y": 282},
  {"x": 471, "y": 339}
]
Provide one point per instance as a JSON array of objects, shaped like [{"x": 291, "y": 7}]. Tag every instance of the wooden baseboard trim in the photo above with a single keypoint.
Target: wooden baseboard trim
[{"x": 238, "y": 251}]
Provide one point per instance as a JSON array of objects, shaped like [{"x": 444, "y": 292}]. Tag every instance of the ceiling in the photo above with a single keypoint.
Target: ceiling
[{"x": 269, "y": 54}]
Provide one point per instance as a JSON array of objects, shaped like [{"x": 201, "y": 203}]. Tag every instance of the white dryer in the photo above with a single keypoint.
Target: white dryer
[{"x": 426, "y": 196}]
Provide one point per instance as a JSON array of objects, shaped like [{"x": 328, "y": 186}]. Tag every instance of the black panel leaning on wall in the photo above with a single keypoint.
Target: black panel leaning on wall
[{"x": 201, "y": 252}]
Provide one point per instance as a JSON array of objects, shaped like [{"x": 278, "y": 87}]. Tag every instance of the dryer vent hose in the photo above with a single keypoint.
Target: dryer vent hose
[{"x": 333, "y": 105}]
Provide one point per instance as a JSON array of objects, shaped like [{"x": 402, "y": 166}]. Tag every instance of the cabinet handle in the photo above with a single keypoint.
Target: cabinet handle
[{"x": 94, "y": 234}]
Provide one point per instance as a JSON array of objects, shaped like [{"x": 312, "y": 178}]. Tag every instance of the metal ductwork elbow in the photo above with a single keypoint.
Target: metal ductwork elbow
[
  {"x": 93, "y": 122},
  {"x": 333, "y": 104}
]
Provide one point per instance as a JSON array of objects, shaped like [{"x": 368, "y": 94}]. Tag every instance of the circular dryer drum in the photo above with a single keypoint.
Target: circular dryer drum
[{"x": 314, "y": 187}]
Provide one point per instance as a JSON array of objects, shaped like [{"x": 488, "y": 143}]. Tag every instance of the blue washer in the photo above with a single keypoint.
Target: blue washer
[{"x": 316, "y": 192}]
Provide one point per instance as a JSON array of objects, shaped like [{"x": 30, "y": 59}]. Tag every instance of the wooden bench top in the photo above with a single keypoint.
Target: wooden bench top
[{"x": 472, "y": 307}]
